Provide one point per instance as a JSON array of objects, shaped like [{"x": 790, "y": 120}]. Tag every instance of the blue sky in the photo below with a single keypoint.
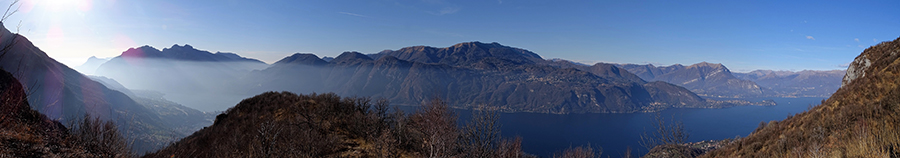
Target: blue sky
[{"x": 779, "y": 35}]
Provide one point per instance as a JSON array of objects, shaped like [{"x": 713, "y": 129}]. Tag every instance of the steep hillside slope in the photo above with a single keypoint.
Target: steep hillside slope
[
  {"x": 28, "y": 133},
  {"x": 861, "y": 119}
]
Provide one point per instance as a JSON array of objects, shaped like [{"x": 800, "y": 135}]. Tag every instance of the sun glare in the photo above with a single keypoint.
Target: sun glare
[{"x": 62, "y": 5}]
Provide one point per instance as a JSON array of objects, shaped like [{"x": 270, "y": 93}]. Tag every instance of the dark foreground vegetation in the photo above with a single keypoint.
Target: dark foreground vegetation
[
  {"x": 27, "y": 133},
  {"x": 285, "y": 124}
]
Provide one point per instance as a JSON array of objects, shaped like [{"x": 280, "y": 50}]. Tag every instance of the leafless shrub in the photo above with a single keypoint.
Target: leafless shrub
[
  {"x": 510, "y": 148},
  {"x": 100, "y": 137},
  {"x": 664, "y": 134},
  {"x": 579, "y": 152}
]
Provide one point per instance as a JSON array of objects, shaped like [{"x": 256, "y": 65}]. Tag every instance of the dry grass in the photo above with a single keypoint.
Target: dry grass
[{"x": 862, "y": 119}]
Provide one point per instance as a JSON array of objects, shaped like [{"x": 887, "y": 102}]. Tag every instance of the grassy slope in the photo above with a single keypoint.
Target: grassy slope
[{"x": 862, "y": 119}]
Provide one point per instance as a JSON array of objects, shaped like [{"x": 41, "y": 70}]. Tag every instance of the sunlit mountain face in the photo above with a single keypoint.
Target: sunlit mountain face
[{"x": 439, "y": 78}]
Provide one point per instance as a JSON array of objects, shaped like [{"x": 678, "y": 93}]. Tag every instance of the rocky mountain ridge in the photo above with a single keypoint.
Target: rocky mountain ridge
[{"x": 705, "y": 79}]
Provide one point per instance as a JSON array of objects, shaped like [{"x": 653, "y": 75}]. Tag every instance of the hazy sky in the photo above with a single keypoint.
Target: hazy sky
[{"x": 781, "y": 35}]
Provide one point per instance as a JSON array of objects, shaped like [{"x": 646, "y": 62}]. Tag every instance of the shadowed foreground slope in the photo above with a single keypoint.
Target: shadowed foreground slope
[
  {"x": 27, "y": 133},
  {"x": 325, "y": 125},
  {"x": 861, "y": 119}
]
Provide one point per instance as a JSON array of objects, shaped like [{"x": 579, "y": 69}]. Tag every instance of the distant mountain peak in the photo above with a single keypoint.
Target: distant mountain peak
[
  {"x": 352, "y": 55},
  {"x": 350, "y": 58},
  {"x": 478, "y": 44},
  {"x": 707, "y": 64},
  {"x": 462, "y": 54},
  {"x": 302, "y": 59},
  {"x": 186, "y": 46},
  {"x": 185, "y": 52}
]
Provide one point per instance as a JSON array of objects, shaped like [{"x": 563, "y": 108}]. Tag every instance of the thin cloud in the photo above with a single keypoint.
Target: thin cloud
[
  {"x": 501, "y": 1},
  {"x": 844, "y": 65},
  {"x": 352, "y": 14},
  {"x": 856, "y": 39},
  {"x": 874, "y": 40},
  {"x": 448, "y": 10},
  {"x": 810, "y": 37}
]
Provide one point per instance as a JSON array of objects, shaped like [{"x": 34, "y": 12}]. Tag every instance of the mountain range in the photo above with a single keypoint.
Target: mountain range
[
  {"x": 715, "y": 80},
  {"x": 467, "y": 75},
  {"x": 705, "y": 79},
  {"x": 186, "y": 75},
  {"x": 806, "y": 83}
]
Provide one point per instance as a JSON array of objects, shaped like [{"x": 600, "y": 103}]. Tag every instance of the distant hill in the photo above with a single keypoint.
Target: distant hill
[
  {"x": 90, "y": 65},
  {"x": 705, "y": 79},
  {"x": 477, "y": 75},
  {"x": 861, "y": 119},
  {"x": 185, "y": 74},
  {"x": 806, "y": 83}
]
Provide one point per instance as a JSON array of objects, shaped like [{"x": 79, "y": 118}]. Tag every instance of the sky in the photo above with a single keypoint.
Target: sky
[{"x": 742, "y": 35}]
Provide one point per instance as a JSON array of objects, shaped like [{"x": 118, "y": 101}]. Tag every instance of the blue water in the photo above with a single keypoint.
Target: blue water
[{"x": 544, "y": 134}]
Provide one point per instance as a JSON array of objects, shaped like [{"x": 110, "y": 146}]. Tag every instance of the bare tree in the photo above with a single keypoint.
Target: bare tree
[
  {"x": 9, "y": 12},
  {"x": 666, "y": 133},
  {"x": 481, "y": 136},
  {"x": 437, "y": 123},
  {"x": 267, "y": 135},
  {"x": 510, "y": 148}
]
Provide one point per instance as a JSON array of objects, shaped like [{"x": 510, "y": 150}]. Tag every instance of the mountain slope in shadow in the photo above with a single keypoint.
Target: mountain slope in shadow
[{"x": 477, "y": 75}]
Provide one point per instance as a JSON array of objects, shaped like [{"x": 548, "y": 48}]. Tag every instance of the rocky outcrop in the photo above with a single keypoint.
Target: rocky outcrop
[{"x": 856, "y": 69}]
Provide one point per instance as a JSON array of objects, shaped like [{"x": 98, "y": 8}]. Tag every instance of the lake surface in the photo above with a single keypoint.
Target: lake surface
[{"x": 544, "y": 134}]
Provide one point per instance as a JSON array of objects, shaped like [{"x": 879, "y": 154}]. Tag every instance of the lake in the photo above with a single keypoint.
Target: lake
[{"x": 544, "y": 134}]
